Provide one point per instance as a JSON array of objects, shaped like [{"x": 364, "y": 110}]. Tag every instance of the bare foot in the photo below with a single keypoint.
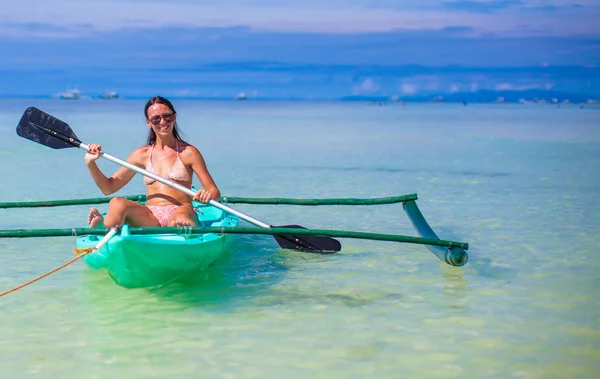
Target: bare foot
[
  {"x": 180, "y": 223},
  {"x": 94, "y": 217}
]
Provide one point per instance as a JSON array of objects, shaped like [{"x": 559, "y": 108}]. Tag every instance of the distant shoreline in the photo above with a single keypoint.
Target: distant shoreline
[{"x": 479, "y": 97}]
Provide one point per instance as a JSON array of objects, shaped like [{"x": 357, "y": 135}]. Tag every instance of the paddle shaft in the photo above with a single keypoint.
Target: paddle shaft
[
  {"x": 107, "y": 237},
  {"x": 177, "y": 186},
  {"x": 35, "y": 120}
]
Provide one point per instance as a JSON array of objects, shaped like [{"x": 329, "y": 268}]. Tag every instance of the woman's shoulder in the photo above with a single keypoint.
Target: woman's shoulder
[
  {"x": 190, "y": 154},
  {"x": 188, "y": 148},
  {"x": 141, "y": 152},
  {"x": 142, "y": 149}
]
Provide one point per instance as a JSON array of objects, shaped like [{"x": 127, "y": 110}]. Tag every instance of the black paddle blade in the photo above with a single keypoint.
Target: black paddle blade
[
  {"x": 311, "y": 244},
  {"x": 38, "y": 126}
]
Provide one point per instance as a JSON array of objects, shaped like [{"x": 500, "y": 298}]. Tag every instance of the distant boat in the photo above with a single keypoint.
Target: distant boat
[
  {"x": 110, "y": 95},
  {"x": 242, "y": 96},
  {"x": 72, "y": 94}
]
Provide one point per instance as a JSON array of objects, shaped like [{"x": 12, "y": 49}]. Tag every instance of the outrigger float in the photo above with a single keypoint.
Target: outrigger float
[{"x": 138, "y": 257}]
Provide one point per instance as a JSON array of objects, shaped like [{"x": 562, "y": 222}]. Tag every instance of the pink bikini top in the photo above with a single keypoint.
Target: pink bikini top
[{"x": 178, "y": 172}]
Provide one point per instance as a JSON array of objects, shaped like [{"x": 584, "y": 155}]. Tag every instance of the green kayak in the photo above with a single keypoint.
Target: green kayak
[{"x": 152, "y": 260}]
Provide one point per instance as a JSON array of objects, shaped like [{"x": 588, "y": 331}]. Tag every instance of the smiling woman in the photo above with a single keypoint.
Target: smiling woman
[{"x": 166, "y": 155}]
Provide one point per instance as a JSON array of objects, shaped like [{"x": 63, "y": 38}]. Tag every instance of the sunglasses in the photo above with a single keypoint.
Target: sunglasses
[{"x": 168, "y": 117}]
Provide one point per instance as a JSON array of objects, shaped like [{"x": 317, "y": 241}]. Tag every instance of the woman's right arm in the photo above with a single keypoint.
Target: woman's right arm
[{"x": 121, "y": 177}]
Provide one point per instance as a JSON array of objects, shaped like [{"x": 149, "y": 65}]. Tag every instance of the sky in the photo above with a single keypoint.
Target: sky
[{"x": 298, "y": 49}]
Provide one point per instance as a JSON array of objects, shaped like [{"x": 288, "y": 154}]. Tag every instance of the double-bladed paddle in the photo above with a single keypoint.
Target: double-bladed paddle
[{"x": 38, "y": 126}]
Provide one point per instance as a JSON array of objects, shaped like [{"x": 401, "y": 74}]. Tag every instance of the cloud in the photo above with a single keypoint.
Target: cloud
[
  {"x": 188, "y": 48},
  {"x": 408, "y": 89},
  {"x": 337, "y": 17},
  {"x": 272, "y": 80},
  {"x": 367, "y": 86},
  {"x": 431, "y": 83},
  {"x": 481, "y": 6},
  {"x": 369, "y": 46}
]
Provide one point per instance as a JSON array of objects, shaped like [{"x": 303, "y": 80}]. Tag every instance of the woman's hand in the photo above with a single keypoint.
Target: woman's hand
[
  {"x": 203, "y": 196},
  {"x": 93, "y": 153}
]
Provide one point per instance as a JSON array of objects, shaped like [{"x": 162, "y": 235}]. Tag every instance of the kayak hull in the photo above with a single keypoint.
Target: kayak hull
[{"x": 146, "y": 261}]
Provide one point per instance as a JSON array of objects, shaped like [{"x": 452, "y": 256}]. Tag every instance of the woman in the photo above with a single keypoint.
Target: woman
[{"x": 166, "y": 155}]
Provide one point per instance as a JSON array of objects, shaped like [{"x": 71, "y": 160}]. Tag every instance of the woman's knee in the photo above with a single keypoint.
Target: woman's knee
[{"x": 117, "y": 203}]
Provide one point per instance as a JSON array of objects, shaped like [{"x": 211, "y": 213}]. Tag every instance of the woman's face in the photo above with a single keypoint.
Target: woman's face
[{"x": 161, "y": 119}]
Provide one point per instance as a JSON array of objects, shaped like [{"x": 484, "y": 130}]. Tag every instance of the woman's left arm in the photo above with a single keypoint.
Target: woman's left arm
[{"x": 209, "y": 188}]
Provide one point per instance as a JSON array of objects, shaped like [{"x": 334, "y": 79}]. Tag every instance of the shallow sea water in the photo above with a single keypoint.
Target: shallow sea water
[{"x": 519, "y": 183}]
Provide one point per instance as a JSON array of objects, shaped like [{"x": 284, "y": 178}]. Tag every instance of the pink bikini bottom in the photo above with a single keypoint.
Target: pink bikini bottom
[{"x": 163, "y": 212}]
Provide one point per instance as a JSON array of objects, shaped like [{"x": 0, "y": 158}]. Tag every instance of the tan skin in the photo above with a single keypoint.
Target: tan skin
[{"x": 164, "y": 155}]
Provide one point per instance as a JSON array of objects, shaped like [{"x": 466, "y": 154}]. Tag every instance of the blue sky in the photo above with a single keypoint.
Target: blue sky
[{"x": 312, "y": 48}]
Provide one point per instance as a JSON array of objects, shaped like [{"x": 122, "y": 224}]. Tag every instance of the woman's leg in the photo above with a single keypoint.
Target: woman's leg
[
  {"x": 122, "y": 211},
  {"x": 183, "y": 216}
]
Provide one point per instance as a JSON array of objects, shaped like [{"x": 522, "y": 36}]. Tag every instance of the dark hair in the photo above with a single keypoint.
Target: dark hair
[{"x": 160, "y": 100}]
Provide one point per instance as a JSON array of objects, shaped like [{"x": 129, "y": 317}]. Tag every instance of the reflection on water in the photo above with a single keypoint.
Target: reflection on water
[{"x": 456, "y": 287}]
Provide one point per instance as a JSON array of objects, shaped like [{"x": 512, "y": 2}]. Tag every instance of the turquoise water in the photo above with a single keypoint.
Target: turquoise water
[{"x": 519, "y": 183}]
